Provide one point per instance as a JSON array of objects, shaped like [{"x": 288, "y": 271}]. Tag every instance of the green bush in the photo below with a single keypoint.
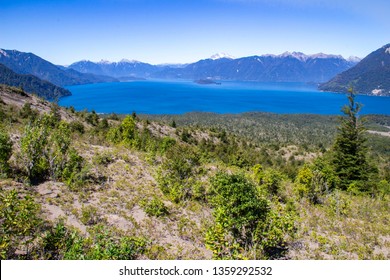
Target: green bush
[
  {"x": 76, "y": 126},
  {"x": 238, "y": 205},
  {"x": 245, "y": 224},
  {"x": 46, "y": 151},
  {"x": 5, "y": 153},
  {"x": 269, "y": 178},
  {"x": 62, "y": 243},
  {"x": 124, "y": 133},
  {"x": 32, "y": 145},
  {"x": 104, "y": 159},
  {"x": 89, "y": 215},
  {"x": 315, "y": 180},
  {"x": 155, "y": 207},
  {"x": 177, "y": 174},
  {"x": 19, "y": 223},
  {"x": 166, "y": 143},
  {"x": 107, "y": 247}
]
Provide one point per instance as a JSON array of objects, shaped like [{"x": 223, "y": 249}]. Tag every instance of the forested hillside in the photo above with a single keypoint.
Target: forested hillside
[
  {"x": 31, "y": 84},
  {"x": 78, "y": 185},
  {"x": 370, "y": 76}
]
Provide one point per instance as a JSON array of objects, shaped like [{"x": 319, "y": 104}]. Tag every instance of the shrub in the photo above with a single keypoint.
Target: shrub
[
  {"x": 104, "y": 158},
  {"x": 77, "y": 126},
  {"x": 124, "y": 133},
  {"x": 5, "y": 153},
  {"x": 176, "y": 176},
  {"x": 33, "y": 143},
  {"x": 315, "y": 180},
  {"x": 26, "y": 112},
  {"x": 107, "y": 247},
  {"x": 268, "y": 178},
  {"x": 89, "y": 215},
  {"x": 46, "y": 151},
  {"x": 237, "y": 205},
  {"x": 19, "y": 222},
  {"x": 166, "y": 143},
  {"x": 245, "y": 224},
  {"x": 61, "y": 243},
  {"x": 155, "y": 207}
]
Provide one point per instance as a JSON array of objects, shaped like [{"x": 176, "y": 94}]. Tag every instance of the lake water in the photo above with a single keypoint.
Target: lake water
[{"x": 177, "y": 97}]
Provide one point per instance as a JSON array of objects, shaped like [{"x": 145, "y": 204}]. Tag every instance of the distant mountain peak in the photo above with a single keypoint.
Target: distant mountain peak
[
  {"x": 221, "y": 55},
  {"x": 298, "y": 55},
  {"x": 124, "y": 60},
  {"x": 3, "y": 52},
  {"x": 354, "y": 59},
  {"x": 304, "y": 57},
  {"x": 103, "y": 61}
]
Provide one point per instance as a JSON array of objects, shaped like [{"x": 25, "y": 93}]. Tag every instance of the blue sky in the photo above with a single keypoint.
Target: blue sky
[{"x": 173, "y": 31}]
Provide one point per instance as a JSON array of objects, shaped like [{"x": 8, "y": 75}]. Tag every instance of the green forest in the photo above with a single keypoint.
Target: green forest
[{"x": 79, "y": 185}]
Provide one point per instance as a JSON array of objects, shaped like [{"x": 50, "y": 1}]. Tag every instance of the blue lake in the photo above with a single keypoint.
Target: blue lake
[{"x": 177, "y": 97}]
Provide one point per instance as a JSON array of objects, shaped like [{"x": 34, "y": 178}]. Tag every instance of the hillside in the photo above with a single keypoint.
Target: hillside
[
  {"x": 370, "y": 76},
  {"x": 75, "y": 185},
  {"x": 29, "y": 63},
  {"x": 31, "y": 84}
]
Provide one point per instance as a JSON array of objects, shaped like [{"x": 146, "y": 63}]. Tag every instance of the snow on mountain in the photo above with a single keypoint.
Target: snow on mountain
[
  {"x": 304, "y": 57},
  {"x": 124, "y": 60},
  {"x": 103, "y": 61},
  {"x": 221, "y": 55},
  {"x": 354, "y": 59},
  {"x": 3, "y": 52},
  {"x": 322, "y": 55},
  {"x": 387, "y": 50},
  {"x": 298, "y": 55},
  {"x": 107, "y": 62}
]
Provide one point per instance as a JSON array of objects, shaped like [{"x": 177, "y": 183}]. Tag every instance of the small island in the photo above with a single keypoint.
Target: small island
[{"x": 206, "y": 82}]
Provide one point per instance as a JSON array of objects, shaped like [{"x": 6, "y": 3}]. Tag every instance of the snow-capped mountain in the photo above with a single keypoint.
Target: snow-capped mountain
[
  {"x": 123, "y": 68},
  {"x": 285, "y": 67},
  {"x": 221, "y": 55}
]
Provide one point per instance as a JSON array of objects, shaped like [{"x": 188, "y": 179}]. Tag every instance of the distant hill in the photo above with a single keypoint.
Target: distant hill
[
  {"x": 31, "y": 84},
  {"x": 287, "y": 67},
  {"x": 370, "y": 76},
  {"x": 29, "y": 63}
]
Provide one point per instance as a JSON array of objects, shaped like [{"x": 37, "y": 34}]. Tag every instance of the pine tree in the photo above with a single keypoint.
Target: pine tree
[{"x": 350, "y": 149}]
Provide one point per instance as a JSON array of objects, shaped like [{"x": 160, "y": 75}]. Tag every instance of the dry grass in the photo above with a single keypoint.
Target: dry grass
[{"x": 343, "y": 227}]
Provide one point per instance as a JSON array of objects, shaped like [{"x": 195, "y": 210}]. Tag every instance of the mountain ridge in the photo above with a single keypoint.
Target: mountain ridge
[
  {"x": 29, "y": 63},
  {"x": 31, "y": 84},
  {"x": 286, "y": 67},
  {"x": 370, "y": 76}
]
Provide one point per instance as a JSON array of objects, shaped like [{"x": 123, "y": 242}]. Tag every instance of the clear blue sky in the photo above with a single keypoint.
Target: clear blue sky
[{"x": 181, "y": 31}]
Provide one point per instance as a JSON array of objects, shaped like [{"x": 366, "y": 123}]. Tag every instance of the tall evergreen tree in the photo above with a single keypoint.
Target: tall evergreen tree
[{"x": 350, "y": 149}]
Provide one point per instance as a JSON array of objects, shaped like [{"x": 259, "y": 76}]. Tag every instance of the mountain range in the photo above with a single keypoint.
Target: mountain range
[
  {"x": 334, "y": 73},
  {"x": 370, "y": 76},
  {"x": 31, "y": 84},
  {"x": 29, "y": 63},
  {"x": 287, "y": 67}
]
